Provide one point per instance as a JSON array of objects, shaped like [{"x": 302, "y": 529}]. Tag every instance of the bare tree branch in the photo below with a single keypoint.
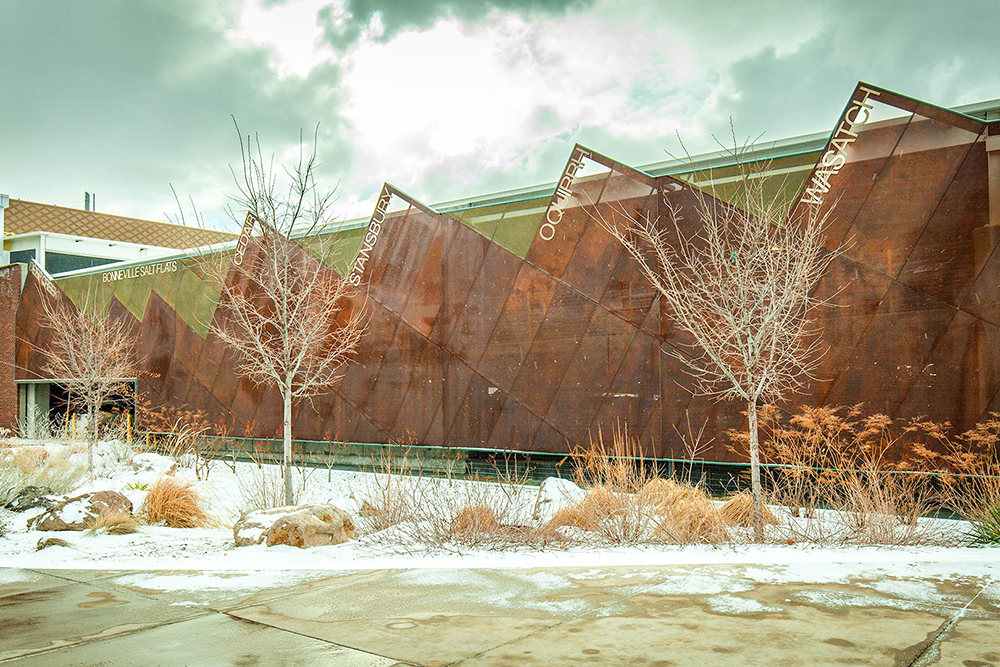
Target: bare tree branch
[
  {"x": 92, "y": 357},
  {"x": 291, "y": 320},
  {"x": 742, "y": 286}
]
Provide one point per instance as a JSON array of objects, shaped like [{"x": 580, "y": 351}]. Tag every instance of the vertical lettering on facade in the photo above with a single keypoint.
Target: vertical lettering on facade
[
  {"x": 244, "y": 241},
  {"x": 835, "y": 157},
  {"x": 371, "y": 237},
  {"x": 43, "y": 279},
  {"x": 554, "y": 212}
]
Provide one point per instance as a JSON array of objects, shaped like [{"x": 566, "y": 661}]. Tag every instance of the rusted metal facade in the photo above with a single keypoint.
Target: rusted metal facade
[{"x": 526, "y": 326}]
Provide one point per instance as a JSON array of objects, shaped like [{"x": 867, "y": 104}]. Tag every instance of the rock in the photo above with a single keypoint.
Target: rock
[
  {"x": 300, "y": 526},
  {"x": 155, "y": 463},
  {"x": 31, "y": 497},
  {"x": 46, "y": 542},
  {"x": 250, "y": 529},
  {"x": 555, "y": 494},
  {"x": 79, "y": 512},
  {"x": 312, "y": 526}
]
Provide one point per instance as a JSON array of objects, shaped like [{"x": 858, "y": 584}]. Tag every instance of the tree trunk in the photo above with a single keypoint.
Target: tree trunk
[
  {"x": 286, "y": 432},
  {"x": 758, "y": 495},
  {"x": 92, "y": 437}
]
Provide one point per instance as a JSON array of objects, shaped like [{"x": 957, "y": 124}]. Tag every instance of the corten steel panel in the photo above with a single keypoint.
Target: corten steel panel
[
  {"x": 311, "y": 415},
  {"x": 461, "y": 266},
  {"x": 210, "y": 359},
  {"x": 483, "y": 304},
  {"x": 854, "y": 293},
  {"x": 719, "y": 418},
  {"x": 593, "y": 260},
  {"x": 246, "y": 400},
  {"x": 628, "y": 294},
  {"x": 942, "y": 262},
  {"x": 892, "y": 351},
  {"x": 676, "y": 394},
  {"x": 419, "y": 418},
  {"x": 199, "y": 398},
  {"x": 156, "y": 343},
  {"x": 270, "y": 413},
  {"x": 187, "y": 347},
  {"x": 515, "y": 428},
  {"x": 226, "y": 379},
  {"x": 522, "y": 315},
  {"x": 396, "y": 258},
  {"x": 362, "y": 373},
  {"x": 396, "y": 268},
  {"x": 455, "y": 382},
  {"x": 961, "y": 375},
  {"x": 555, "y": 344},
  {"x": 983, "y": 300},
  {"x": 426, "y": 293},
  {"x": 634, "y": 391},
  {"x": 398, "y": 363},
  {"x": 865, "y": 160},
  {"x": 906, "y": 194},
  {"x": 586, "y": 383},
  {"x": 554, "y": 254},
  {"x": 548, "y": 439},
  {"x": 480, "y": 410},
  {"x": 10, "y": 292}
]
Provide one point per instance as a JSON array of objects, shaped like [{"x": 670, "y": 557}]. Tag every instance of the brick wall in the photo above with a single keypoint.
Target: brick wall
[{"x": 10, "y": 293}]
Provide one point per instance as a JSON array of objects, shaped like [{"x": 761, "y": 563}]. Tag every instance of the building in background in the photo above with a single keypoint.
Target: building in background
[{"x": 513, "y": 321}]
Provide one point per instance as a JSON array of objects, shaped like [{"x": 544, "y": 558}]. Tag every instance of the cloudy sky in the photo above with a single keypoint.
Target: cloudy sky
[{"x": 444, "y": 99}]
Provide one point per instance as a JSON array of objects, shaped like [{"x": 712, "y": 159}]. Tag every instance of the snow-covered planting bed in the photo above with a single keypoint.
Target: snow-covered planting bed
[{"x": 226, "y": 493}]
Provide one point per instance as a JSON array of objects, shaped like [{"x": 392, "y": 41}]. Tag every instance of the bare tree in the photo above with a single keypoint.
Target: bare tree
[
  {"x": 740, "y": 282},
  {"x": 92, "y": 356},
  {"x": 290, "y": 319}
]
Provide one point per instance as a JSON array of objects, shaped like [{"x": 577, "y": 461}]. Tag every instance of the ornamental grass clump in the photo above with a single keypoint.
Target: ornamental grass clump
[
  {"x": 174, "y": 503},
  {"x": 114, "y": 523},
  {"x": 629, "y": 504}
]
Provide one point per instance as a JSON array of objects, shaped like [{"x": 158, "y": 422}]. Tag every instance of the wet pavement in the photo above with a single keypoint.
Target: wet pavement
[{"x": 702, "y": 615}]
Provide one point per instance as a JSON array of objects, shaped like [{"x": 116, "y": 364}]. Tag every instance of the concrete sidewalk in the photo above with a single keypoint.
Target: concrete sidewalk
[{"x": 703, "y": 615}]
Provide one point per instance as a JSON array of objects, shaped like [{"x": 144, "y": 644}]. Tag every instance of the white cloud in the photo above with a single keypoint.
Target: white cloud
[{"x": 291, "y": 31}]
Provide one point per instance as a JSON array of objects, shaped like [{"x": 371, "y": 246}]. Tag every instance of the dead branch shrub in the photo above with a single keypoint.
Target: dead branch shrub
[
  {"x": 445, "y": 513},
  {"x": 114, "y": 523},
  {"x": 475, "y": 519},
  {"x": 738, "y": 511},
  {"x": 174, "y": 503},
  {"x": 630, "y": 504}
]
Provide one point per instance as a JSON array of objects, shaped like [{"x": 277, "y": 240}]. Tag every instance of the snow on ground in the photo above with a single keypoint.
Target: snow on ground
[{"x": 225, "y": 490}]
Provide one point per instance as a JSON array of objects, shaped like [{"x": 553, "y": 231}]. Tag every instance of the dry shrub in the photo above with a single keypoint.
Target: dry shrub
[
  {"x": 34, "y": 466},
  {"x": 738, "y": 511},
  {"x": 114, "y": 523},
  {"x": 629, "y": 504},
  {"x": 692, "y": 519},
  {"x": 175, "y": 503},
  {"x": 475, "y": 519},
  {"x": 570, "y": 517},
  {"x": 444, "y": 513}
]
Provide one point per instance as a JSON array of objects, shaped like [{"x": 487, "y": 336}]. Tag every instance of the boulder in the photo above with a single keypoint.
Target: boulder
[
  {"x": 155, "y": 463},
  {"x": 555, "y": 494},
  {"x": 31, "y": 497},
  {"x": 301, "y": 526},
  {"x": 312, "y": 526},
  {"x": 253, "y": 525},
  {"x": 79, "y": 512}
]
